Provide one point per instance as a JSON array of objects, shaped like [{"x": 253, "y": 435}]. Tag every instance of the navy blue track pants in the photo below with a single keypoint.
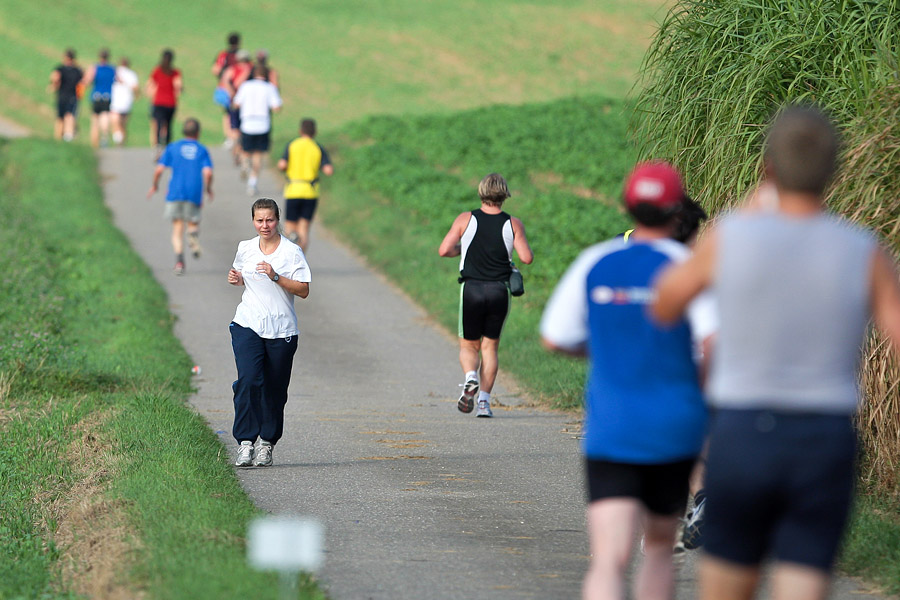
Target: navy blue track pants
[{"x": 260, "y": 392}]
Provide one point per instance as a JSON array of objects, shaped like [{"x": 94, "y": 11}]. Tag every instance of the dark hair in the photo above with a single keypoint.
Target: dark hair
[
  {"x": 688, "y": 220},
  {"x": 191, "y": 128},
  {"x": 650, "y": 215},
  {"x": 234, "y": 38},
  {"x": 259, "y": 70},
  {"x": 70, "y": 53},
  {"x": 801, "y": 149},
  {"x": 165, "y": 62},
  {"x": 308, "y": 127},
  {"x": 265, "y": 203},
  {"x": 104, "y": 53}
]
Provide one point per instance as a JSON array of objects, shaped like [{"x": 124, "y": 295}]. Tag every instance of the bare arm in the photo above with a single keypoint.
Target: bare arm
[
  {"x": 54, "y": 80},
  {"x": 178, "y": 84},
  {"x": 235, "y": 277},
  {"x": 297, "y": 288},
  {"x": 88, "y": 77},
  {"x": 157, "y": 173},
  {"x": 282, "y": 164},
  {"x": 679, "y": 284},
  {"x": 328, "y": 169},
  {"x": 450, "y": 245},
  {"x": 207, "y": 182},
  {"x": 520, "y": 242},
  {"x": 580, "y": 351},
  {"x": 886, "y": 296}
]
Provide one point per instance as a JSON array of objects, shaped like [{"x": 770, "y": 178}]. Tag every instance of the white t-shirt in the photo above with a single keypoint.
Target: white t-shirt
[
  {"x": 266, "y": 307},
  {"x": 123, "y": 90},
  {"x": 256, "y": 98}
]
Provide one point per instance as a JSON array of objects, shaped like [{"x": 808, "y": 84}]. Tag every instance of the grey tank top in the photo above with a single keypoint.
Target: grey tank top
[{"x": 793, "y": 296}]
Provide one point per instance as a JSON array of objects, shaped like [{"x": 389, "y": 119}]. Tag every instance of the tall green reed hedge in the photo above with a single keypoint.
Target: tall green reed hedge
[{"x": 713, "y": 77}]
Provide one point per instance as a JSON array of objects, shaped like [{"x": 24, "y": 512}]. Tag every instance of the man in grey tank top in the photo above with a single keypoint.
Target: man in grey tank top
[{"x": 796, "y": 288}]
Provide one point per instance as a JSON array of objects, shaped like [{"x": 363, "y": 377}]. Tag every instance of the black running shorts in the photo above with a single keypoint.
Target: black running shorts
[
  {"x": 255, "y": 142},
  {"x": 662, "y": 488},
  {"x": 300, "y": 208},
  {"x": 483, "y": 307},
  {"x": 779, "y": 485}
]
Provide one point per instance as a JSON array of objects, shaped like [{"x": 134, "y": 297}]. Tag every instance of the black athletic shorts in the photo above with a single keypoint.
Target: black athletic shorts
[
  {"x": 662, "y": 488},
  {"x": 255, "y": 142},
  {"x": 300, "y": 208},
  {"x": 483, "y": 307},
  {"x": 66, "y": 105},
  {"x": 162, "y": 114},
  {"x": 101, "y": 106},
  {"x": 778, "y": 485},
  {"x": 234, "y": 116}
]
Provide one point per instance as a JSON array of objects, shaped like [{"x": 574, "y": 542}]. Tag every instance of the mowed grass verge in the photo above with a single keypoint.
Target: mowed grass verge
[
  {"x": 337, "y": 61},
  {"x": 111, "y": 484},
  {"x": 401, "y": 181}
]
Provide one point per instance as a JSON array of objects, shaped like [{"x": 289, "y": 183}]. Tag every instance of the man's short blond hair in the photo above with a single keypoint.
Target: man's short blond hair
[{"x": 493, "y": 190}]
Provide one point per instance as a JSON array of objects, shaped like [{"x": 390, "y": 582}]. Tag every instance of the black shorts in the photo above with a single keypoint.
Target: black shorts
[
  {"x": 101, "y": 106},
  {"x": 66, "y": 105},
  {"x": 235, "y": 117},
  {"x": 662, "y": 488},
  {"x": 162, "y": 114},
  {"x": 779, "y": 485},
  {"x": 483, "y": 308},
  {"x": 300, "y": 208},
  {"x": 255, "y": 142}
]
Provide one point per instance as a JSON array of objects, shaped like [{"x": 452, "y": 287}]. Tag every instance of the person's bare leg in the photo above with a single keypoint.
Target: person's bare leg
[
  {"x": 178, "y": 236},
  {"x": 302, "y": 230},
  {"x": 226, "y": 126},
  {"x": 799, "y": 582},
  {"x": 255, "y": 164},
  {"x": 723, "y": 580},
  {"x": 655, "y": 576},
  {"x": 103, "y": 125},
  {"x": 58, "y": 129},
  {"x": 489, "y": 363},
  {"x": 154, "y": 140},
  {"x": 468, "y": 354},
  {"x": 611, "y": 524},
  {"x": 95, "y": 130}
]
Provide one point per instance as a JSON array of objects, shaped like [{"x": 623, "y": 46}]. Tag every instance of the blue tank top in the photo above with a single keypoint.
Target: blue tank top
[{"x": 104, "y": 76}]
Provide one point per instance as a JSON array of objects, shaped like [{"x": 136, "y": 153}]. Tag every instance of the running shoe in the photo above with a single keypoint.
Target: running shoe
[
  {"x": 692, "y": 536},
  {"x": 467, "y": 400},
  {"x": 194, "y": 244},
  {"x": 263, "y": 454},
  {"x": 484, "y": 409},
  {"x": 245, "y": 455},
  {"x": 179, "y": 268}
]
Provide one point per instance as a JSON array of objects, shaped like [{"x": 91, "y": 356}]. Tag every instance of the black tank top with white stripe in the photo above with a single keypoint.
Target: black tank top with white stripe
[{"x": 486, "y": 247}]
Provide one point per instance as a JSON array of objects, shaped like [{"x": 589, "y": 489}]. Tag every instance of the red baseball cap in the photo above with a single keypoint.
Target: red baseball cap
[{"x": 655, "y": 182}]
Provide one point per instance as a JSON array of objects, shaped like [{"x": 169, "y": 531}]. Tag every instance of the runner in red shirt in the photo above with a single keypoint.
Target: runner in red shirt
[
  {"x": 163, "y": 88},
  {"x": 225, "y": 59}
]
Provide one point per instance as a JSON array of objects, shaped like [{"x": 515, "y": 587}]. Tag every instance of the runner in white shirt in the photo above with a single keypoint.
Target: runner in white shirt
[
  {"x": 264, "y": 333},
  {"x": 124, "y": 89},
  {"x": 256, "y": 99}
]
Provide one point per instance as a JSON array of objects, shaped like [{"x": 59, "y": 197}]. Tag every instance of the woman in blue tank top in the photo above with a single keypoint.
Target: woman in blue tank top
[{"x": 102, "y": 75}]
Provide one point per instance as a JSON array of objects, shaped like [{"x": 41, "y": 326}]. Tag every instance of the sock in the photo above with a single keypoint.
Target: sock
[
  {"x": 179, "y": 258},
  {"x": 484, "y": 396},
  {"x": 471, "y": 375}
]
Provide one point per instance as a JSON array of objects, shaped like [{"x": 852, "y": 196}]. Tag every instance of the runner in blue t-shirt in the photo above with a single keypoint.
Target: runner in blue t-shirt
[
  {"x": 645, "y": 416},
  {"x": 191, "y": 172},
  {"x": 101, "y": 75}
]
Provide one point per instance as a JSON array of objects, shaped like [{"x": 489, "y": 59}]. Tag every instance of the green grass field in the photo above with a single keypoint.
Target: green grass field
[{"x": 338, "y": 60}]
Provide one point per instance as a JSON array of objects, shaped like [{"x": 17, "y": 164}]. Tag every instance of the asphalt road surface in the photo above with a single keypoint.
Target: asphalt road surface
[{"x": 418, "y": 500}]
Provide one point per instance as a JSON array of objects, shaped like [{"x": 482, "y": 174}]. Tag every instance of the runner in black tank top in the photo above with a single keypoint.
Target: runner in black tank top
[{"x": 484, "y": 239}]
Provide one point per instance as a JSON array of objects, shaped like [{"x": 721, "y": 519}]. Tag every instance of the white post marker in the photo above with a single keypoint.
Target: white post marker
[{"x": 285, "y": 544}]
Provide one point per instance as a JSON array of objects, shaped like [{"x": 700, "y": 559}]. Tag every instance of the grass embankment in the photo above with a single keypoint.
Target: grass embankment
[
  {"x": 110, "y": 483},
  {"x": 401, "y": 182},
  {"x": 337, "y": 61}
]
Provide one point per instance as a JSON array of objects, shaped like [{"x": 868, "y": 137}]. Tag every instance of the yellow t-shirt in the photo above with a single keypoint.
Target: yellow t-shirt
[{"x": 304, "y": 159}]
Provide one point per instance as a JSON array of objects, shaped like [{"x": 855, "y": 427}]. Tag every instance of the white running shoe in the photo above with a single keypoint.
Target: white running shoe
[
  {"x": 245, "y": 455},
  {"x": 484, "y": 409},
  {"x": 467, "y": 399},
  {"x": 263, "y": 454}
]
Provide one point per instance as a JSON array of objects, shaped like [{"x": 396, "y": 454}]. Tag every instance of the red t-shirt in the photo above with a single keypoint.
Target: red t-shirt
[{"x": 165, "y": 87}]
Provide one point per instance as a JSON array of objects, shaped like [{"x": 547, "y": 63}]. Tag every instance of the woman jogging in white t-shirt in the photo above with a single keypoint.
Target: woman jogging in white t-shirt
[{"x": 264, "y": 333}]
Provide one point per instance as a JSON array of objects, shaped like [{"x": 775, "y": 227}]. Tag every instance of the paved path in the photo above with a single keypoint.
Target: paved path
[
  {"x": 418, "y": 500},
  {"x": 10, "y": 129}
]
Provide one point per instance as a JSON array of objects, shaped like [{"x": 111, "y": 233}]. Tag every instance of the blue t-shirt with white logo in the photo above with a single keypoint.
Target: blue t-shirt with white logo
[
  {"x": 643, "y": 399},
  {"x": 187, "y": 158}
]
